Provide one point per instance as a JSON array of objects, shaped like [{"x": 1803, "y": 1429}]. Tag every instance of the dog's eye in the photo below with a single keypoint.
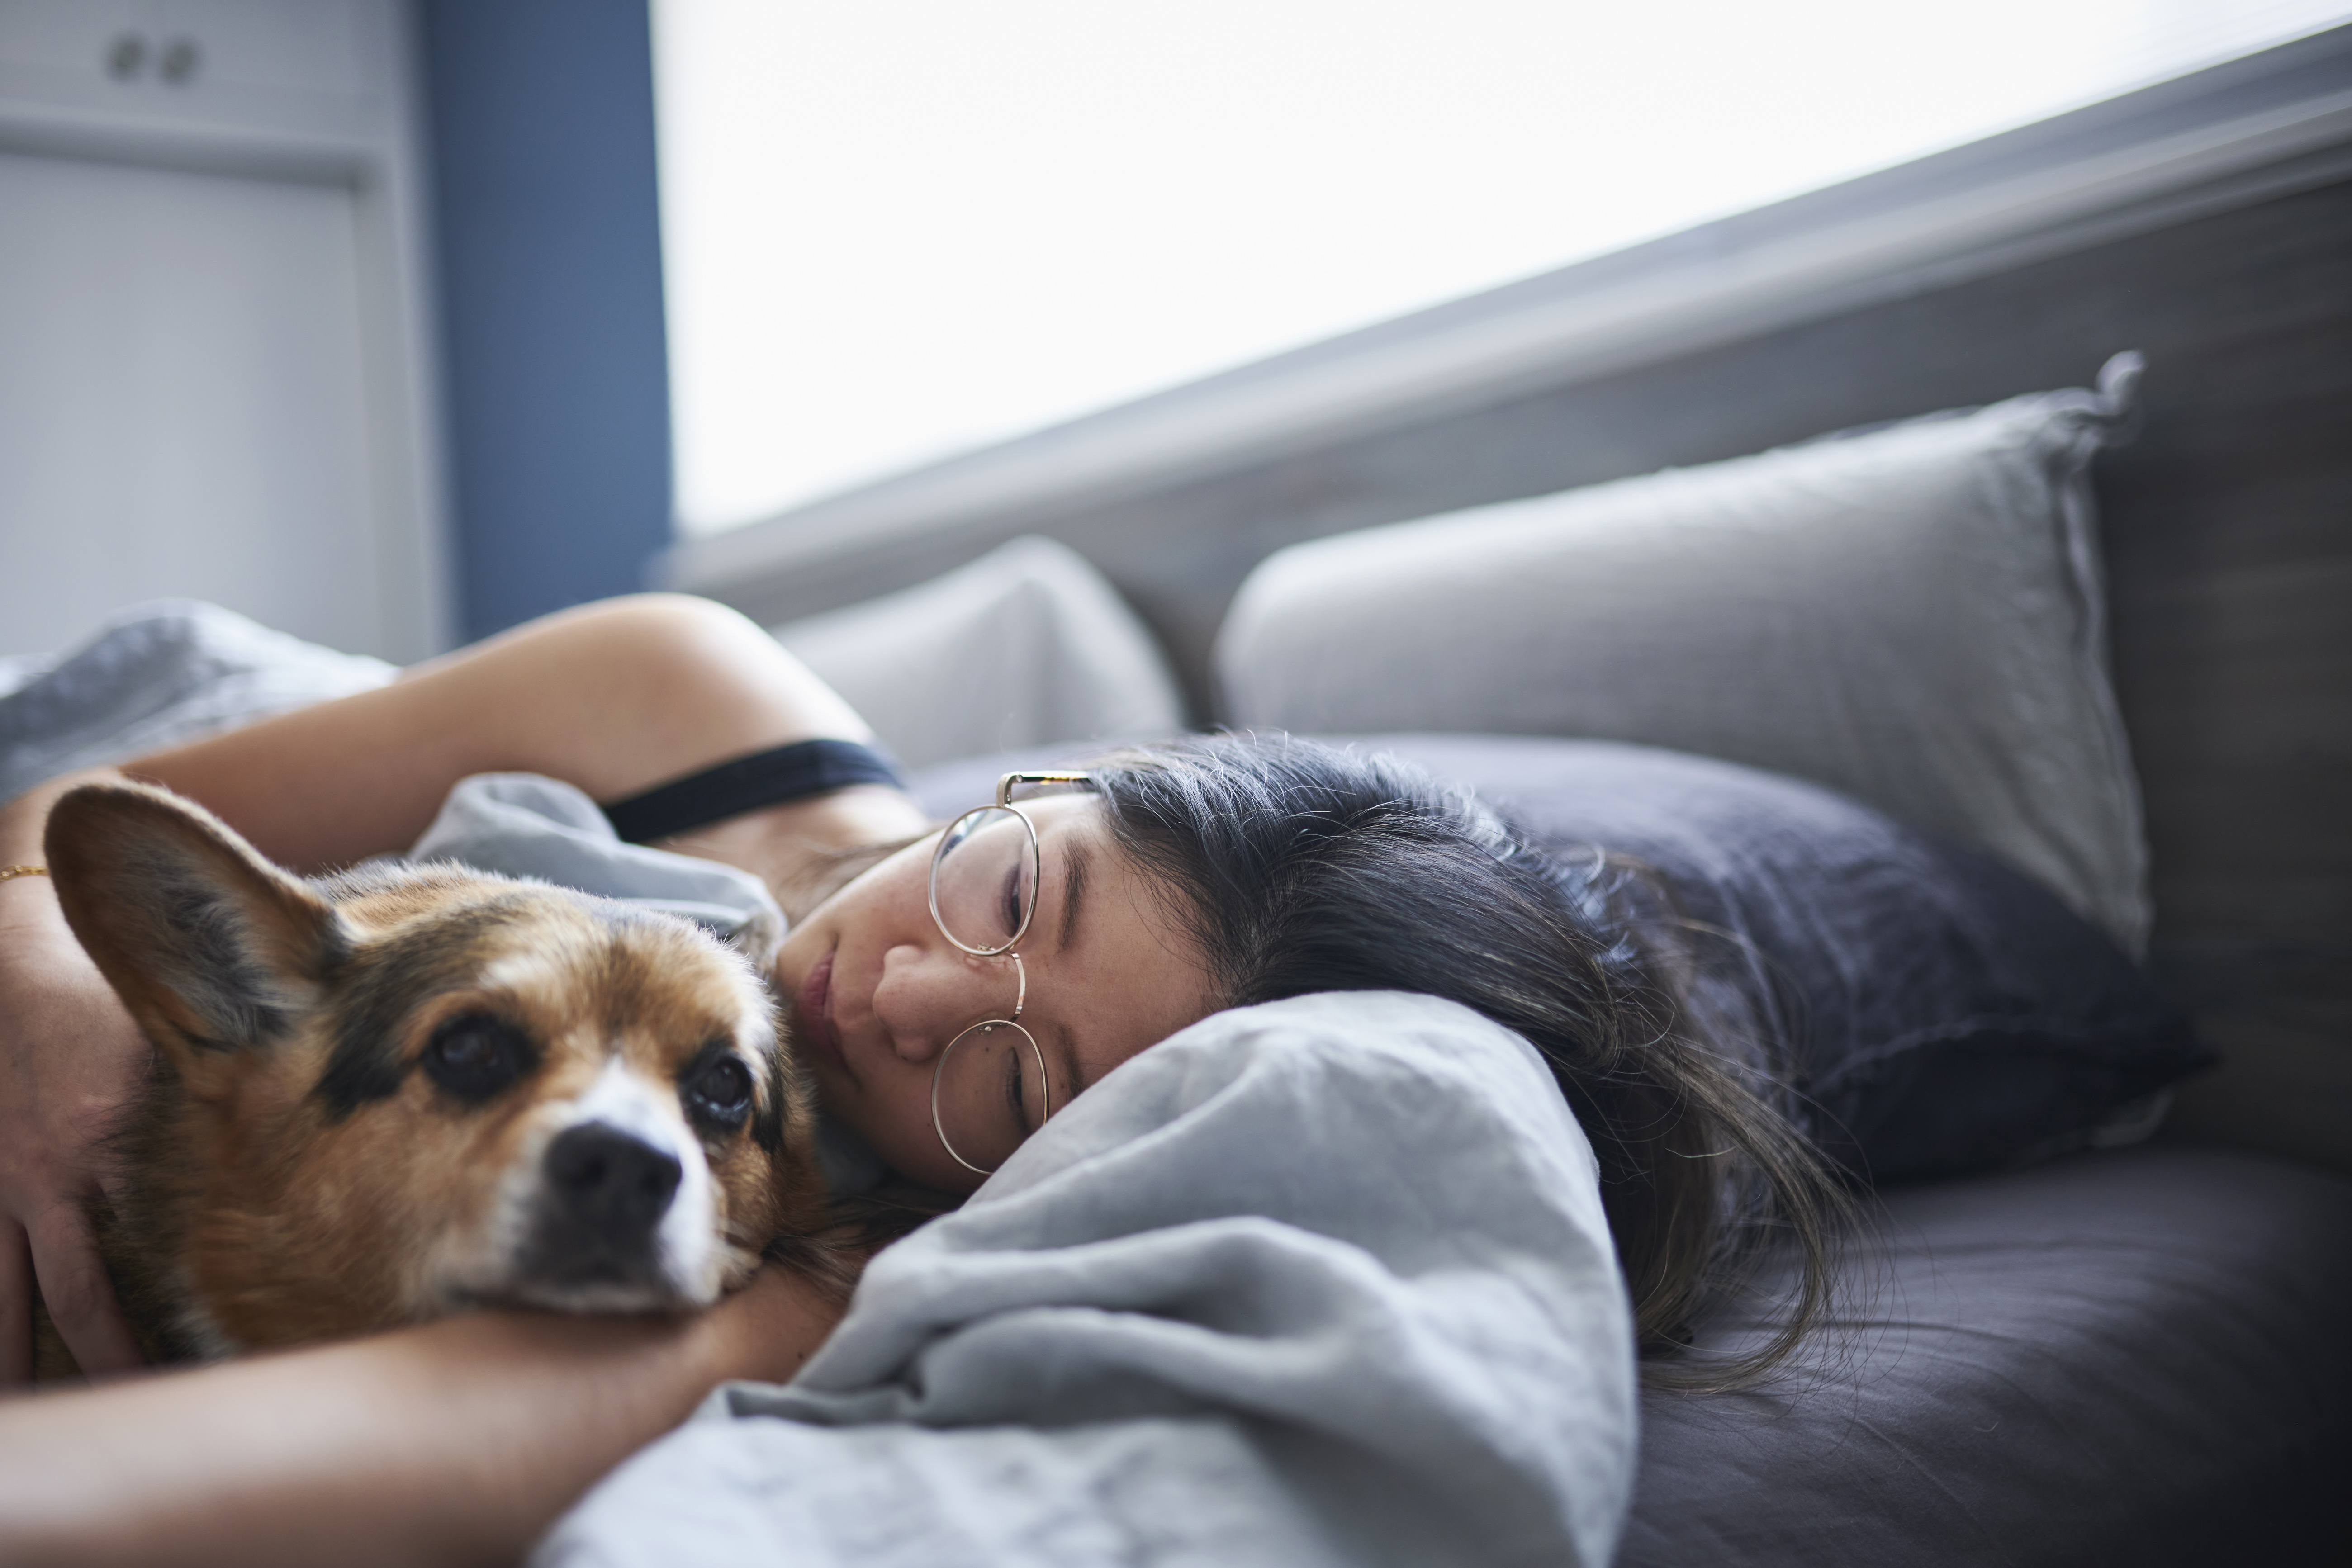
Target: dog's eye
[
  {"x": 717, "y": 1090},
  {"x": 476, "y": 1056}
]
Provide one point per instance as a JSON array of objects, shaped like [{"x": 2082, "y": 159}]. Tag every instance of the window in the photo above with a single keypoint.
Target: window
[{"x": 897, "y": 229}]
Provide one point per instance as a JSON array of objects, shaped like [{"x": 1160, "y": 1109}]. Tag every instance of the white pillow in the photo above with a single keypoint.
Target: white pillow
[
  {"x": 1027, "y": 646},
  {"x": 1913, "y": 614}
]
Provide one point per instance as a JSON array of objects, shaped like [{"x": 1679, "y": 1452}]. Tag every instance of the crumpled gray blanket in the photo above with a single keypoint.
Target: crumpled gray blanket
[
  {"x": 523, "y": 825},
  {"x": 159, "y": 675},
  {"x": 1321, "y": 1281}
]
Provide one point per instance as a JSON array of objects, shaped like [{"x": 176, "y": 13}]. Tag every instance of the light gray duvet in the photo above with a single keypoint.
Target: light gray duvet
[{"x": 1321, "y": 1281}]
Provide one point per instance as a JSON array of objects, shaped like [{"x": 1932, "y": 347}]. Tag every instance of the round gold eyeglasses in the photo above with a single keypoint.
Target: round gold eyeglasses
[{"x": 989, "y": 1090}]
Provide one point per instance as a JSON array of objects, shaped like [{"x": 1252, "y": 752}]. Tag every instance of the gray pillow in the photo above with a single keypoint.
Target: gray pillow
[
  {"x": 1928, "y": 1010},
  {"x": 1027, "y": 645},
  {"x": 1913, "y": 615}
]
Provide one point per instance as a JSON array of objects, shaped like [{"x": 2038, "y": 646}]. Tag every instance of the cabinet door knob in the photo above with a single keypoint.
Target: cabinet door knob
[
  {"x": 126, "y": 56},
  {"x": 180, "y": 58}
]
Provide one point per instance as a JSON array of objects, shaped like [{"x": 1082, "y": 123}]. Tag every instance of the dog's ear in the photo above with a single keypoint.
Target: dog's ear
[{"x": 211, "y": 948}]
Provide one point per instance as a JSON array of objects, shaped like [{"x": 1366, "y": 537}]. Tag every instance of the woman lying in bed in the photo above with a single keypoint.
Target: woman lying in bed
[{"x": 1183, "y": 880}]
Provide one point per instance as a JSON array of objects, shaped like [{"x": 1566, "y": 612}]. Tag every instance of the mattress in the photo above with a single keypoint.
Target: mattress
[{"x": 2134, "y": 1357}]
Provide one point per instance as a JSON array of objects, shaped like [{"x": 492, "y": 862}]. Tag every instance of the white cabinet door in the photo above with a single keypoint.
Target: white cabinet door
[
  {"x": 214, "y": 359},
  {"x": 182, "y": 402}
]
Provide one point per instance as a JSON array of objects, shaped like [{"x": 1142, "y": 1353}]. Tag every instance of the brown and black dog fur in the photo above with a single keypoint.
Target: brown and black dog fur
[{"x": 397, "y": 1092}]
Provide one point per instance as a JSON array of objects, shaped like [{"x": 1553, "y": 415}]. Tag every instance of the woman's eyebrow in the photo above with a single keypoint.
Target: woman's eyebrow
[{"x": 1076, "y": 861}]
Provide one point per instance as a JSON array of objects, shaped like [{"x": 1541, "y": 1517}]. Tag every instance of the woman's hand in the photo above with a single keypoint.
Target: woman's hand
[{"x": 70, "y": 1058}]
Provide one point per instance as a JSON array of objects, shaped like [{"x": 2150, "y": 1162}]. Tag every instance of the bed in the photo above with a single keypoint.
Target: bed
[
  {"x": 2127, "y": 1356},
  {"x": 2127, "y": 1353},
  {"x": 2047, "y": 1351}
]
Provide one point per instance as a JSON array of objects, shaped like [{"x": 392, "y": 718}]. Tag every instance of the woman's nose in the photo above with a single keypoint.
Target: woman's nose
[{"x": 929, "y": 995}]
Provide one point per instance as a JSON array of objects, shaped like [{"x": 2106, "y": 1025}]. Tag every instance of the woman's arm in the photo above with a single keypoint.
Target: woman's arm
[
  {"x": 614, "y": 698},
  {"x": 459, "y": 1441}
]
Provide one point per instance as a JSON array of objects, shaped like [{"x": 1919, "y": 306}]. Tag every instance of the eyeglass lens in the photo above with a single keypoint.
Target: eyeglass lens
[
  {"x": 985, "y": 880},
  {"x": 988, "y": 1094}
]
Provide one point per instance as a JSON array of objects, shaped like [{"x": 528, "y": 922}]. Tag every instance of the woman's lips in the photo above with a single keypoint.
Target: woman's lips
[{"x": 816, "y": 1012}]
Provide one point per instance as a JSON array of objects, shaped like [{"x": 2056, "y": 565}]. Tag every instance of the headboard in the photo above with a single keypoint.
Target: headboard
[{"x": 2207, "y": 223}]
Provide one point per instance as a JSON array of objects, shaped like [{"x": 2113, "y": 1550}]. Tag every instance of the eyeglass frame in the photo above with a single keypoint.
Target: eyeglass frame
[{"x": 1003, "y": 802}]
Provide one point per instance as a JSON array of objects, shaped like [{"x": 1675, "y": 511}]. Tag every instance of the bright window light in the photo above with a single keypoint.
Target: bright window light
[{"x": 895, "y": 229}]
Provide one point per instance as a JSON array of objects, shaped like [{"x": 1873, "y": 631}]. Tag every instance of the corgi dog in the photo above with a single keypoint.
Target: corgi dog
[{"x": 400, "y": 1092}]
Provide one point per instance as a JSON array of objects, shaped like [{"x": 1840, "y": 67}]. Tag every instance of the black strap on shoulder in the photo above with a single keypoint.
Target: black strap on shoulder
[{"x": 774, "y": 777}]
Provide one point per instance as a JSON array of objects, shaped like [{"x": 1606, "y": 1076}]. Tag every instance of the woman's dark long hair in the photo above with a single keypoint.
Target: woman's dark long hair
[{"x": 1298, "y": 867}]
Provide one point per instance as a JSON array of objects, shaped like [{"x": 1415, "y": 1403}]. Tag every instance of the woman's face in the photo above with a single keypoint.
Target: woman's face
[{"x": 877, "y": 992}]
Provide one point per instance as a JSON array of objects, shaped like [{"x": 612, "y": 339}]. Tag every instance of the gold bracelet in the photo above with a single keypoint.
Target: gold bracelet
[{"x": 8, "y": 871}]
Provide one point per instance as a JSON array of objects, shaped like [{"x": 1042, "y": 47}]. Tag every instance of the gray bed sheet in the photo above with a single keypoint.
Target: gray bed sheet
[{"x": 2137, "y": 1357}]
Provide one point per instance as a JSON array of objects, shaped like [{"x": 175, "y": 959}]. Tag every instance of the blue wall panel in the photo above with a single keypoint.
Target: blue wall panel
[{"x": 549, "y": 235}]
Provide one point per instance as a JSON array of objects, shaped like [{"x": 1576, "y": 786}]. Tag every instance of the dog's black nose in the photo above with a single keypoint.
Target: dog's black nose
[{"x": 617, "y": 1184}]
